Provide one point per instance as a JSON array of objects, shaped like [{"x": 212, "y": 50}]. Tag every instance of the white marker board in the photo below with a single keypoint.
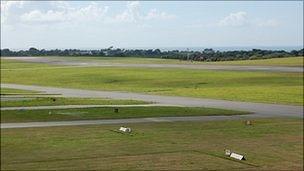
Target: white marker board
[{"x": 237, "y": 156}]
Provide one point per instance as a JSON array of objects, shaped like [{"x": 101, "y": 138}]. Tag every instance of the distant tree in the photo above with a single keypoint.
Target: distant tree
[
  {"x": 6, "y": 52},
  {"x": 33, "y": 52},
  {"x": 301, "y": 52},
  {"x": 207, "y": 54}
]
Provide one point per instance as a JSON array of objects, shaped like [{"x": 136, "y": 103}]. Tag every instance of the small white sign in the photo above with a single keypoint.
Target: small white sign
[
  {"x": 124, "y": 129},
  {"x": 237, "y": 156}
]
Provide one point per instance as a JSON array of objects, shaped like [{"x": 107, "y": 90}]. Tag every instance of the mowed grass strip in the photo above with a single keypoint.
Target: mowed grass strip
[
  {"x": 16, "y": 91},
  {"x": 268, "y": 87},
  {"x": 268, "y": 144},
  {"x": 8, "y": 116},
  {"x": 18, "y": 64},
  {"x": 58, "y": 101}
]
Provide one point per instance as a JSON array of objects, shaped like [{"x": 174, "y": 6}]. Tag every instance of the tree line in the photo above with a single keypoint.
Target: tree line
[{"x": 204, "y": 55}]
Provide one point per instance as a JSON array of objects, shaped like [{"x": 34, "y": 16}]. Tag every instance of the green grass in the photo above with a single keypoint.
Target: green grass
[
  {"x": 269, "y": 87},
  {"x": 16, "y": 91},
  {"x": 270, "y": 144},
  {"x": 17, "y": 64},
  {"x": 109, "y": 113},
  {"x": 290, "y": 61},
  {"x": 56, "y": 101}
]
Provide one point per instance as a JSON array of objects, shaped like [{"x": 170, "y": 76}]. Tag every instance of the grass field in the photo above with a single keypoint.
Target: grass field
[
  {"x": 13, "y": 64},
  {"x": 15, "y": 91},
  {"x": 269, "y": 87},
  {"x": 109, "y": 113},
  {"x": 56, "y": 101},
  {"x": 269, "y": 144}
]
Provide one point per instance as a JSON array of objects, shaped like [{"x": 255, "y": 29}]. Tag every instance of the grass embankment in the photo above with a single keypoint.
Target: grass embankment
[
  {"x": 269, "y": 87},
  {"x": 109, "y": 113},
  {"x": 269, "y": 144},
  {"x": 57, "y": 101}
]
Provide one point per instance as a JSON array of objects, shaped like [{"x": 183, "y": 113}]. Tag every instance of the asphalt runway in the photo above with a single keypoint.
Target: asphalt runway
[
  {"x": 78, "y": 106},
  {"x": 125, "y": 121},
  {"x": 257, "y": 109},
  {"x": 69, "y": 63}
]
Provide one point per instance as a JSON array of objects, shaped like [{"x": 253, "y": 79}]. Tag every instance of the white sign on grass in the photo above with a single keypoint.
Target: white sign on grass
[
  {"x": 237, "y": 156},
  {"x": 124, "y": 129}
]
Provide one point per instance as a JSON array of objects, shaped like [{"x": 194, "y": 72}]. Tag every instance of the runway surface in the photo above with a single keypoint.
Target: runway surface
[
  {"x": 257, "y": 109},
  {"x": 78, "y": 106},
  {"x": 74, "y": 63},
  {"x": 125, "y": 121}
]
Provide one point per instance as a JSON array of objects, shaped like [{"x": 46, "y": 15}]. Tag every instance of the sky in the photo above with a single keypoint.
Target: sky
[{"x": 127, "y": 24}]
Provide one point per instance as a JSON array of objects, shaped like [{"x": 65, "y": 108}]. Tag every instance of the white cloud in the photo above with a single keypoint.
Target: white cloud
[
  {"x": 268, "y": 23},
  {"x": 155, "y": 14},
  {"x": 7, "y": 9},
  {"x": 134, "y": 14},
  {"x": 65, "y": 13},
  {"x": 60, "y": 4},
  {"x": 131, "y": 14},
  {"x": 6, "y": 5},
  {"x": 38, "y": 16},
  {"x": 15, "y": 12},
  {"x": 234, "y": 19},
  {"x": 240, "y": 19}
]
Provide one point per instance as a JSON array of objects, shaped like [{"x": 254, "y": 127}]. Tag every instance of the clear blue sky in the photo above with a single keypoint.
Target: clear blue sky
[{"x": 99, "y": 24}]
